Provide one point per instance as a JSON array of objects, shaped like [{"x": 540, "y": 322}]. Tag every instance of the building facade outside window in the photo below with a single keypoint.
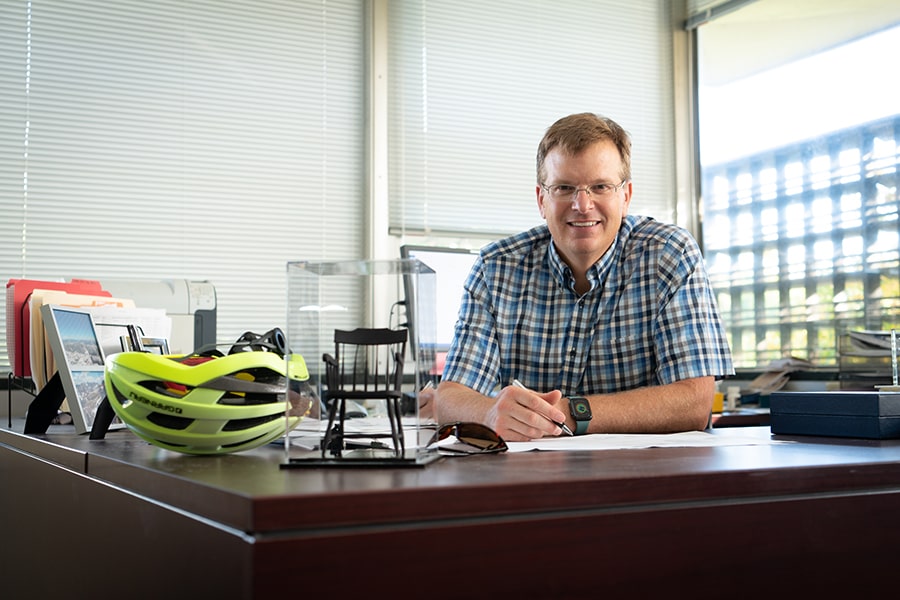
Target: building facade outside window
[{"x": 799, "y": 177}]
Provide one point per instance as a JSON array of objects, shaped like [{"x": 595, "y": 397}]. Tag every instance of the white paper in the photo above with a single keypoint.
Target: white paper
[
  {"x": 111, "y": 325},
  {"x": 619, "y": 441},
  {"x": 309, "y": 432}
]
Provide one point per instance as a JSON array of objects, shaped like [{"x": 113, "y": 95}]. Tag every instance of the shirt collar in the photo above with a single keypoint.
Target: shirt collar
[{"x": 597, "y": 272}]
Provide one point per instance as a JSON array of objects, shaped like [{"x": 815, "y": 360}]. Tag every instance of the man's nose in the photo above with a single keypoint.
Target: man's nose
[{"x": 581, "y": 200}]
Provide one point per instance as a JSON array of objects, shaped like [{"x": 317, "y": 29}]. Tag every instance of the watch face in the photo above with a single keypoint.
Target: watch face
[{"x": 580, "y": 409}]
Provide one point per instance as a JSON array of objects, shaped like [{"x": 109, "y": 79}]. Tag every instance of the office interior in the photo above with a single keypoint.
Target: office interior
[
  {"x": 202, "y": 143},
  {"x": 216, "y": 166}
]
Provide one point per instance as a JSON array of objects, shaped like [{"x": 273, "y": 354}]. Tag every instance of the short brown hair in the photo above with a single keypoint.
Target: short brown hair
[{"x": 575, "y": 133}]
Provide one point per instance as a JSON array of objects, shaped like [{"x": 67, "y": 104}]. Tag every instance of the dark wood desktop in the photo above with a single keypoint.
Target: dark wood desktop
[{"x": 119, "y": 518}]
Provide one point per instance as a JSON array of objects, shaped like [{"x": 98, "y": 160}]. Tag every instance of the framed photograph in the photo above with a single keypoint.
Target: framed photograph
[{"x": 79, "y": 360}]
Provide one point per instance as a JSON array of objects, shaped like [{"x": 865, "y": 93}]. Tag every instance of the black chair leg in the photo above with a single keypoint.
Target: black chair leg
[
  {"x": 394, "y": 416},
  {"x": 333, "y": 441}
]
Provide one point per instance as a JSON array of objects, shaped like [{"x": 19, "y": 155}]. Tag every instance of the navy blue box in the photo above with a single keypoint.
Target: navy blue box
[{"x": 873, "y": 415}]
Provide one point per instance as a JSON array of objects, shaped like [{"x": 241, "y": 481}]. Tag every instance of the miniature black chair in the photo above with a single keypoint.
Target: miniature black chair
[{"x": 367, "y": 365}]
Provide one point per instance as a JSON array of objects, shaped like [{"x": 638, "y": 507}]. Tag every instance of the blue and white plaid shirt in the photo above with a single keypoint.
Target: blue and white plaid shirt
[{"x": 650, "y": 317}]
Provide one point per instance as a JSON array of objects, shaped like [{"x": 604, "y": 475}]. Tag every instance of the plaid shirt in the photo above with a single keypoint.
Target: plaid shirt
[{"x": 650, "y": 317}]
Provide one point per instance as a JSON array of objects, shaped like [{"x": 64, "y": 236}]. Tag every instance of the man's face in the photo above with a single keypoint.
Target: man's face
[{"x": 584, "y": 226}]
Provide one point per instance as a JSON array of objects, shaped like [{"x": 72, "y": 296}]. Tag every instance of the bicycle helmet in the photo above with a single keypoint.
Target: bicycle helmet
[{"x": 208, "y": 404}]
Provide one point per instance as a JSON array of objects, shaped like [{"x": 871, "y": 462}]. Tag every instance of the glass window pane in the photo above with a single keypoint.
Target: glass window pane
[{"x": 806, "y": 167}]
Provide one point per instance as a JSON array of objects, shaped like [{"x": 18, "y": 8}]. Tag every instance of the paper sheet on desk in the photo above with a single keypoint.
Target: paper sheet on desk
[{"x": 619, "y": 441}]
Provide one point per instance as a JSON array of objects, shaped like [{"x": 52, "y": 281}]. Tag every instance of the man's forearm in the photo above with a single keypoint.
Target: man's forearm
[
  {"x": 456, "y": 402},
  {"x": 681, "y": 406}
]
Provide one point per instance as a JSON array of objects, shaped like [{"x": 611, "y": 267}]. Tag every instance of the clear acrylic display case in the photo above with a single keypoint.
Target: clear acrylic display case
[{"x": 345, "y": 296}]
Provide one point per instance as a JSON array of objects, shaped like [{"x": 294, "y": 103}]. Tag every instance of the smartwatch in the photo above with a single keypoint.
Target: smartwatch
[{"x": 580, "y": 409}]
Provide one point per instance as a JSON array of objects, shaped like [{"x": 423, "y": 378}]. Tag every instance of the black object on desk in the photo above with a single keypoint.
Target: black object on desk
[
  {"x": 45, "y": 406},
  {"x": 873, "y": 415}
]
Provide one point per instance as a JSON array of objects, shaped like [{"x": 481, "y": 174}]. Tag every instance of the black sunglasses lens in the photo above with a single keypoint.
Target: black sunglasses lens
[
  {"x": 480, "y": 437},
  {"x": 477, "y": 435}
]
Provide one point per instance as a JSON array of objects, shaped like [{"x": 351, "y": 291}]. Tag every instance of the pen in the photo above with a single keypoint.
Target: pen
[
  {"x": 428, "y": 385},
  {"x": 562, "y": 426}
]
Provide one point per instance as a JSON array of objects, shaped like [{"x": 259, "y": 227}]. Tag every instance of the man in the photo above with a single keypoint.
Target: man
[{"x": 598, "y": 314}]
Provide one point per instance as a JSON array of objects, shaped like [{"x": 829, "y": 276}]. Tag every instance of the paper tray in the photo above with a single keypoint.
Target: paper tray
[{"x": 873, "y": 415}]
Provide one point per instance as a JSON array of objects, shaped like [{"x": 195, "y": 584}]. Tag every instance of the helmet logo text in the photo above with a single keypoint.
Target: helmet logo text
[{"x": 150, "y": 402}]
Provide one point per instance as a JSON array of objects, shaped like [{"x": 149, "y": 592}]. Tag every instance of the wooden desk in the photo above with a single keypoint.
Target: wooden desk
[{"x": 121, "y": 518}]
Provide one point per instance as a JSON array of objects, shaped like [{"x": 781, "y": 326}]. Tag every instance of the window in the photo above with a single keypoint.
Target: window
[
  {"x": 799, "y": 163},
  {"x": 198, "y": 140},
  {"x": 473, "y": 85}
]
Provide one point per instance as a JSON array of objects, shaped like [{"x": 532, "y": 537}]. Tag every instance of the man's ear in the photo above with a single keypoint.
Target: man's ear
[
  {"x": 627, "y": 201},
  {"x": 539, "y": 192}
]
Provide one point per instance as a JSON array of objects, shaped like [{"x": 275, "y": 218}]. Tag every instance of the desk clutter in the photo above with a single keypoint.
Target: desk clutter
[
  {"x": 58, "y": 333},
  {"x": 181, "y": 311},
  {"x": 757, "y": 392}
]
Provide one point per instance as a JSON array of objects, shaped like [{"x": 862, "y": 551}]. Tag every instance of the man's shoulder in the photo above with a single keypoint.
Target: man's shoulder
[{"x": 642, "y": 230}]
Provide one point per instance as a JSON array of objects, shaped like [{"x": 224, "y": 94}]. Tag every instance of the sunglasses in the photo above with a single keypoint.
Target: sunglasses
[{"x": 467, "y": 438}]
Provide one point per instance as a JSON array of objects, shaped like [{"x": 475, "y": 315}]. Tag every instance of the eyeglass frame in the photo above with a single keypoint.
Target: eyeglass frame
[{"x": 612, "y": 189}]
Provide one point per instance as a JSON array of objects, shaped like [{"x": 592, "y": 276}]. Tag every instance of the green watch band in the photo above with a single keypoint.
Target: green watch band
[{"x": 580, "y": 409}]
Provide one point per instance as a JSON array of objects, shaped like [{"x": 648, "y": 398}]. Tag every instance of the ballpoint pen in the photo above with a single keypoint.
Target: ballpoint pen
[{"x": 562, "y": 426}]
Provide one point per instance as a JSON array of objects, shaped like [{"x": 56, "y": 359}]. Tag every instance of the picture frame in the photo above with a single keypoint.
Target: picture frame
[{"x": 80, "y": 362}]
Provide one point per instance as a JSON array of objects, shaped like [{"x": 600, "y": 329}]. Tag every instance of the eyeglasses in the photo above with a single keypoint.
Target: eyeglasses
[
  {"x": 467, "y": 438},
  {"x": 562, "y": 191}
]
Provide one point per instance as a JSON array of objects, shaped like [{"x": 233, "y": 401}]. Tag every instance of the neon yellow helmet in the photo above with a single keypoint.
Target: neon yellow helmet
[{"x": 208, "y": 404}]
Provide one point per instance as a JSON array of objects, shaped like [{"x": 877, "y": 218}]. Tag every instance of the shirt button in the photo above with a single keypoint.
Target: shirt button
[{"x": 572, "y": 353}]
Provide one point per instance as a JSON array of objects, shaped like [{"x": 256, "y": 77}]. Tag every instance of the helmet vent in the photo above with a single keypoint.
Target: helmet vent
[
  {"x": 169, "y": 421},
  {"x": 249, "y": 399},
  {"x": 241, "y": 424}
]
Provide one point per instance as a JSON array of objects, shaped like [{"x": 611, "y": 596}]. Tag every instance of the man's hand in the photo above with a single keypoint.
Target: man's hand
[
  {"x": 426, "y": 403},
  {"x": 519, "y": 414}
]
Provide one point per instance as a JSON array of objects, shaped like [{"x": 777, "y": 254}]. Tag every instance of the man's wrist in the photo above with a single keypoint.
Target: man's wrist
[{"x": 580, "y": 411}]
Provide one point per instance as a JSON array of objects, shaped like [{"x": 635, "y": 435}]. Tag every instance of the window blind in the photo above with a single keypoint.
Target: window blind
[
  {"x": 209, "y": 140},
  {"x": 473, "y": 86}
]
